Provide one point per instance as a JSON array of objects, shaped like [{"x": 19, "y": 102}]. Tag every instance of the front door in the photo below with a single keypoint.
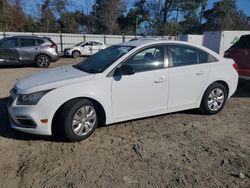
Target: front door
[
  {"x": 9, "y": 51},
  {"x": 145, "y": 92}
]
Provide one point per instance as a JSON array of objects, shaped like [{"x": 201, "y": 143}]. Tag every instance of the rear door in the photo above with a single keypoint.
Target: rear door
[
  {"x": 9, "y": 51},
  {"x": 187, "y": 77},
  {"x": 87, "y": 48},
  {"x": 28, "y": 50},
  {"x": 96, "y": 47}
]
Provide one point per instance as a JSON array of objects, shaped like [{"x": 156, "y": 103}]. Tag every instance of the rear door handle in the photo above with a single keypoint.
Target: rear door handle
[
  {"x": 200, "y": 73},
  {"x": 160, "y": 80}
]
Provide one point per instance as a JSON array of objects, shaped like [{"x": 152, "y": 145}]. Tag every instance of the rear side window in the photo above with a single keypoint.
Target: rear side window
[
  {"x": 27, "y": 42},
  {"x": 186, "y": 55},
  {"x": 96, "y": 44},
  {"x": 183, "y": 55},
  {"x": 9, "y": 43},
  {"x": 40, "y": 41}
]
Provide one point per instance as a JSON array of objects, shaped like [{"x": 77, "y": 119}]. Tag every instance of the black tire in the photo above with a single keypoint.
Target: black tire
[
  {"x": 76, "y": 54},
  {"x": 67, "y": 115},
  {"x": 42, "y": 61},
  {"x": 204, "y": 107}
]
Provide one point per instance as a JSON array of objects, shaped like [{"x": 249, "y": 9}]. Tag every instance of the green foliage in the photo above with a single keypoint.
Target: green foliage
[
  {"x": 225, "y": 16},
  {"x": 147, "y": 17}
]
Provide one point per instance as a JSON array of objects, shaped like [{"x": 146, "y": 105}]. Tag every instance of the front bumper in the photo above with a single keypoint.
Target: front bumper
[
  {"x": 28, "y": 118},
  {"x": 67, "y": 53}
]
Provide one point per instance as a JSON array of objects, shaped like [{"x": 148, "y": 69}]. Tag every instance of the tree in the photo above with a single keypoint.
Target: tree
[
  {"x": 105, "y": 14},
  {"x": 49, "y": 11},
  {"x": 135, "y": 16},
  {"x": 225, "y": 16},
  {"x": 73, "y": 22}
]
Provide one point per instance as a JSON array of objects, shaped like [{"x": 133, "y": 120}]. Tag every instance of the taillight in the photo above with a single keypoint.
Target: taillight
[
  {"x": 236, "y": 67},
  {"x": 53, "y": 45}
]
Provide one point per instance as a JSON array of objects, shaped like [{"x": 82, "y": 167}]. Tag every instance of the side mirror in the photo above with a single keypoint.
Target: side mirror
[{"x": 126, "y": 70}]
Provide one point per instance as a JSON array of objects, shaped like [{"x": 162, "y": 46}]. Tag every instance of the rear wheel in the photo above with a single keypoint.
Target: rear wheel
[
  {"x": 76, "y": 54},
  {"x": 79, "y": 119},
  {"x": 214, "y": 99},
  {"x": 42, "y": 61}
]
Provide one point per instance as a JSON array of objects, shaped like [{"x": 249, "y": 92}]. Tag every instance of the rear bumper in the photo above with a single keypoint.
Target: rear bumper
[
  {"x": 244, "y": 73},
  {"x": 54, "y": 58}
]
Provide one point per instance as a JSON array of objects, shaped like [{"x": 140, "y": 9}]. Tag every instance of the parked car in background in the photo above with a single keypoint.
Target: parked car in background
[
  {"x": 240, "y": 53},
  {"x": 28, "y": 50},
  {"x": 126, "y": 81},
  {"x": 84, "y": 49}
]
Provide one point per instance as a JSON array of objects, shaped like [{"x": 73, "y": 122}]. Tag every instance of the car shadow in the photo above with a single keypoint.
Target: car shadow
[
  {"x": 7, "y": 132},
  {"x": 243, "y": 90}
]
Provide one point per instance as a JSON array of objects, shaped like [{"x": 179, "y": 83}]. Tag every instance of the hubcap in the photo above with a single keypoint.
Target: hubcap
[
  {"x": 43, "y": 61},
  {"x": 216, "y": 99},
  {"x": 84, "y": 120}
]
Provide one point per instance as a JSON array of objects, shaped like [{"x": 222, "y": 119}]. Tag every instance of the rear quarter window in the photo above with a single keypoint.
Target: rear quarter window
[{"x": 205, "y": 57}]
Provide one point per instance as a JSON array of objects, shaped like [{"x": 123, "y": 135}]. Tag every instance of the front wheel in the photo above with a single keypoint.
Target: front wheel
[
  {"x": 79, "y": 119},
  {"x": 76, "y": 54},
  {"x": 214, "y": 99}
]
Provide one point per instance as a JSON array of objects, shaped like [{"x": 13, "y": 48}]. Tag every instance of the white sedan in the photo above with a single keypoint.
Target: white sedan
[
  {"x": 123, "y": 82},
  {"x": 84, "y": 49}
]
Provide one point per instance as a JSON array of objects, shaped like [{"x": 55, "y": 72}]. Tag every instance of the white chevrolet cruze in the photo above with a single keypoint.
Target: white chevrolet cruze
[{"x": 123, "y": 82}]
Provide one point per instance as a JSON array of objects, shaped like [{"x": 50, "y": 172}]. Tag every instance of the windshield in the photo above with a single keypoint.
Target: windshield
[
  {"x": 98, "y": 62},
  {"x": 79, "y": 44}
]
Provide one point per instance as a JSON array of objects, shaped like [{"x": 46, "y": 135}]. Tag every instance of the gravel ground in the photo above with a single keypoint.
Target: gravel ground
[{"x": 182, "y": 149}]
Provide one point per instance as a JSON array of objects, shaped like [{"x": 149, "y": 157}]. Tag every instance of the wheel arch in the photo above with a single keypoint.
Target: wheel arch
[
  {"x": 224, "y": 83},
  {"x": 101, "y": 112},
  {"x": 42, "y": 54},
  {"x": 76, "y": 50}
]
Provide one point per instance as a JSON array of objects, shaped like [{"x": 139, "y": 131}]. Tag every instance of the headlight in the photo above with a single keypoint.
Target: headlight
[{"x": 31, "y": 99}]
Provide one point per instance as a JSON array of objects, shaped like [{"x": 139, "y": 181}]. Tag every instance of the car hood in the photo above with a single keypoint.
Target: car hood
[{"x": 51, "y": 78}]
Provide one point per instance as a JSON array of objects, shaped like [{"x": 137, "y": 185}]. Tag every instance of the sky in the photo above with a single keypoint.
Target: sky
[{"x": 86, "y": 5}]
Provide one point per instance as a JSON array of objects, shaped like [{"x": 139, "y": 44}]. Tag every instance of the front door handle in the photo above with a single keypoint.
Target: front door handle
[{"x": 160, "y": 80}]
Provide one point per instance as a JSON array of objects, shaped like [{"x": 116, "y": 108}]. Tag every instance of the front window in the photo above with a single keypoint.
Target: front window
[
  {"x": 100, "y": 61},
  {"x": 148, "y": 59},
  {"x": 9, "y": 43}
]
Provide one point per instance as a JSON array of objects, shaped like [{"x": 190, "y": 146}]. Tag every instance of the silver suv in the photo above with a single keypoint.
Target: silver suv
[{"x": 28, "y": 50}]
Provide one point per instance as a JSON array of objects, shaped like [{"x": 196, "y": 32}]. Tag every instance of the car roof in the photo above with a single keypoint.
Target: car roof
[
  {"x": 145, "y": 43},
  {"x": 29, "y": 36},
  {"x": 136, "y": 43}
]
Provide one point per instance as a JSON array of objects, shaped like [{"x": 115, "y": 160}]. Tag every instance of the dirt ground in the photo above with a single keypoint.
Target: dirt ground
[{"x": 182, "y": 149}]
